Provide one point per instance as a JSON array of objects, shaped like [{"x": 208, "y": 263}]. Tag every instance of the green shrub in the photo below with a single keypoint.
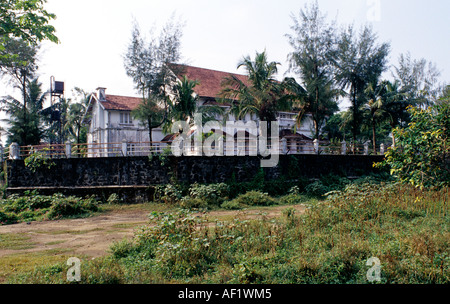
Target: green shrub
[
  {"x": 212, "y": 194},
  {"x": 188, "y": 202},
  {"x": 317, "y": 189},
  {"x": 168, "y": 194},
  {"x": 251, "y": 198},
  {"x": 292, "y": 199},
  {"x": 7, "y": 218},
  {"x": 114, "y": 199},
  {"x": 232, "y": 205},
  {"x": 70, "y": 206}
]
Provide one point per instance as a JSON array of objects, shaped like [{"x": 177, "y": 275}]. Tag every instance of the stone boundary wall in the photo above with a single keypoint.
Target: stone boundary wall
[{"x": 138, "y": 174}]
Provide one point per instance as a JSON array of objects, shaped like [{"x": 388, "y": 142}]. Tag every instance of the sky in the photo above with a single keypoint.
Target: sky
[{"x": 94, "y": 34}]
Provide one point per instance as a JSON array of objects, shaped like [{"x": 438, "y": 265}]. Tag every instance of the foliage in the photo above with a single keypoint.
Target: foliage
[
  {"x": 317, "y": 189},
  {"x": 261, "y": 95},
  {"x": 24, "y": 121},
  {"x": 251, "y": 198},
  {"x": 314, "y": 47},
  {"x": 422, "y": 152},
  {"x": 32, "y": 206},
  {"x": 406, "y": 228},
  {"x": 168, "y": 194},
  {"x": 26, "y": 19},
  {"x": 38, "y": 159},
  {"x": 63, "y": 207},
  {"x": 146, "y": 61},
  {"x": 150, "y": 113},
  {"x": 114, "y": 199},
  {"x": 418, "y": 79},
  {"x": 359, "y": 62},
  {"x": 75, "y": 127},
  {"x": 212, "y": 194},
  {"x": 147, "y": 65}
]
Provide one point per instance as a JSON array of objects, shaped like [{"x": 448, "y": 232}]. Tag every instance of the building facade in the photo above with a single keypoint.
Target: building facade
[{"x": 110, "y": 120}]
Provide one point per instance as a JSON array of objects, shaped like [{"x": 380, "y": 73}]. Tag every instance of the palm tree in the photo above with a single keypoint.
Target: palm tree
[
  {"x": 262, "y": 95},
  {"x": 374, "y": 107},
  {"x": 317, "y": 98},
  {"x": 185, "y": 102},
  {"x": 184, "y": 105},
  {"x": 24, "y": 121}
]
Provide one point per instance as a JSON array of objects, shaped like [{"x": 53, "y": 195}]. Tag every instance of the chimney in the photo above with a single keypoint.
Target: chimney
[{"x": 101, "y": 95}]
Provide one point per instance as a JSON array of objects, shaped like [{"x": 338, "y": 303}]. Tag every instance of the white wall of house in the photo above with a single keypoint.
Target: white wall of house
[{"x": 119, "y": 126}]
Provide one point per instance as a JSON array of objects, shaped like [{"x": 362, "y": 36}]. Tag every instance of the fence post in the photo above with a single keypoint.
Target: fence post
[
  {"x": 284, "y": 145},
  {"x": 382, "y": 148},
  {"x": 124, "y": 148},
  {"x": 14, "y": 151},
  {"x": 68, "y": 150},
  {"x": 316, "y": 146},
  {"x": 366, "y": 147},
  {"x": 344, "y": 147}
]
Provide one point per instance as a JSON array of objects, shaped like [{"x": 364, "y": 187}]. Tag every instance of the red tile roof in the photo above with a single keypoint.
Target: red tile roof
[
  {"x": 121, "y": 103},
  {"x": 210, "y": 81},
  {"x": 210, "y": 85}
]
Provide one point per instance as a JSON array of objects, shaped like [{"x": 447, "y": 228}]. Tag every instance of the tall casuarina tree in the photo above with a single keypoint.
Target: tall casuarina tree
[
  {"x": 359, "y": 62},
  {"x": 314, "y": 44},
  {"x": 147, "y": 63}
]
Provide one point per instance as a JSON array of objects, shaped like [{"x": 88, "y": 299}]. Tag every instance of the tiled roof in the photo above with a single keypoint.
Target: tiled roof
[
  {"x": 121, "y": 103},
  {"x": 210, "y": 85},
  {"x": 210, "y": 81}
]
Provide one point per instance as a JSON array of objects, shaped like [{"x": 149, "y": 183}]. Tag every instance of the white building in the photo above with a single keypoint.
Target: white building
[{"x": 110, "y": 121}]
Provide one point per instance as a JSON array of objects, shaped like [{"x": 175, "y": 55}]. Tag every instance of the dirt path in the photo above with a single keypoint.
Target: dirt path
[{"x": 93, "y": 236}]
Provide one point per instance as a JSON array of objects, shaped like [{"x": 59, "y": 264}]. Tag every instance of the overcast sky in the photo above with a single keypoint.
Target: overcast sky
[{"x": 94, "y": 34}]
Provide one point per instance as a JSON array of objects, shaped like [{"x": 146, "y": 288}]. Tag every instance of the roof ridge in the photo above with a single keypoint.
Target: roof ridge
[
  {"x": 207, "y": 69},
  {"x": 115, "y": 95}
]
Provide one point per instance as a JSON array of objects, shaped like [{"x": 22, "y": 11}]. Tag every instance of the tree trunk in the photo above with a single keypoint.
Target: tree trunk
[
  {"x": 24, "y": 95},
  {"x": 150, "y": 132},
  {"x": 374, "y": 138},
  {"x": 355, "y": 124}
]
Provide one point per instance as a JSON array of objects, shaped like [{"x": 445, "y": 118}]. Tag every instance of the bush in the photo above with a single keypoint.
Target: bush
[
  {"x": 421, "y": 154},
  {"x": 114, "y": 199},
  {"x": 213, "y": 194},
  {"x": 292, "y": 199},
  {"x": 251, "y": 198},
  {"x": 168, "y": 194},
  {"x": 317, "y": 189},
  {"x": 32, "y": 206},
  {"x": 7, "y": 218},
  {"x": 188, "y": 202},
  {"x": 70, "y": 206}
]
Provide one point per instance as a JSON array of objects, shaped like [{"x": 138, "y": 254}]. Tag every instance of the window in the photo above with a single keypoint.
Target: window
[{"x": 125, "y": 118}]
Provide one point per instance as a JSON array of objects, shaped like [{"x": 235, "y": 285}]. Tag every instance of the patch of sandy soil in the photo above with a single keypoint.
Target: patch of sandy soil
[{"x": 93, "y": 236}]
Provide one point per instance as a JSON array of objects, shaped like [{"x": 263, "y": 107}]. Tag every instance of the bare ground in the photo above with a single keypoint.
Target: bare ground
[{"x": 94, "y": 235}]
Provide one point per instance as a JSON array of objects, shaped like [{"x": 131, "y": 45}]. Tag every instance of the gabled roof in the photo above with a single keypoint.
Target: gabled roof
[
  {"x": 210, "y": 81},
  {"x": 120, "y": 103},
  {"x": 210, "y": 86}
]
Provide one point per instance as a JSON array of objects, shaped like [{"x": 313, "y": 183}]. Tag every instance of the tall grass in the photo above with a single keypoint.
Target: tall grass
[{"x": 406, "y": 229}]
